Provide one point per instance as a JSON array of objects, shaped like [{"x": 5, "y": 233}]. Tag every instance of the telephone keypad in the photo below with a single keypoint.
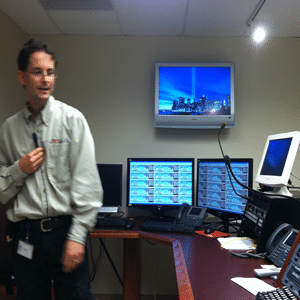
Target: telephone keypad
[{"x": 280, "y": 254}]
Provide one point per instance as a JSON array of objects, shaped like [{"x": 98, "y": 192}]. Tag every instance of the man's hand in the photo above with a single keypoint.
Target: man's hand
[
  {"x": 73, "y": 256},
  {"x": 30, "y": 162}
]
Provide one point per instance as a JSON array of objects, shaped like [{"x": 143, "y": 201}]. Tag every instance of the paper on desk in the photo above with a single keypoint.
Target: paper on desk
[
  {"x": 253, "y": 285},
  {"x": 237, "y": 243}
]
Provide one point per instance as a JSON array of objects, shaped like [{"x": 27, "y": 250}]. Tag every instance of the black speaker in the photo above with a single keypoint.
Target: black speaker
[
  {"x": 264, "y": 213},
  {"x": 111, "y": 176}
]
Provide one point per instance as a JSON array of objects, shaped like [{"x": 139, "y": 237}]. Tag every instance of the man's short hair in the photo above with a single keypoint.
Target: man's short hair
[{"x": 28, "y": 49}]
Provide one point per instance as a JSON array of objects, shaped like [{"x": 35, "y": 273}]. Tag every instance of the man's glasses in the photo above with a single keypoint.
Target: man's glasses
[{"x": 39, "y": 74}]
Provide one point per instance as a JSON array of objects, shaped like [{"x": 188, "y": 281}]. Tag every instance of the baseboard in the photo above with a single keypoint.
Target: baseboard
[{"x": 143, "y": 297}]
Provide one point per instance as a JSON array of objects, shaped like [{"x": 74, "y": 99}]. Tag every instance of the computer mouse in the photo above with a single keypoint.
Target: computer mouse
[
  {"x": 129, "y": 225},
  {"x": 208, "y": 230}
]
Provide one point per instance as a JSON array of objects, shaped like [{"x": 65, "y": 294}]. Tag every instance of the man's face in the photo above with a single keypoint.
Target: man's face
[{"x": 38, "y": 79}]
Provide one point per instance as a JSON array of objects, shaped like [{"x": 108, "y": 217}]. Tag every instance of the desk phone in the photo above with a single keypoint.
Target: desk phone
[{"x": 191, "y": 215}]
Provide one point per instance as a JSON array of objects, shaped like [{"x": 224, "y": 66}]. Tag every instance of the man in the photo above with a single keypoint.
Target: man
[{"x": 48, "y": 173}]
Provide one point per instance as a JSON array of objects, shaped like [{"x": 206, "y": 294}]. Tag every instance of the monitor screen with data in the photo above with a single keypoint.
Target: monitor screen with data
[
  {"x": 160, "y": 183},
  {"x": 214, "y": 188}
]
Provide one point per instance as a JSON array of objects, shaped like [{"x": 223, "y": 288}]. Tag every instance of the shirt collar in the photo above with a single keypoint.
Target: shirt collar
[{"x": 45, "y": 113}]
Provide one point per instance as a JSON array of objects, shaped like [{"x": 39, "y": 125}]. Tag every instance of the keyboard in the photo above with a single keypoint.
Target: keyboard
[
  {"x": 167, "y": 226},
  {"x": 114, "y": 222},
  {"x": 278, "y": 294}
]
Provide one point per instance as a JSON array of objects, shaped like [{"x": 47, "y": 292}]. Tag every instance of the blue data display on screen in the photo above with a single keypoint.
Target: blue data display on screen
[
  {"x": 214, "y": 187},
  {"x": 276, "y": 157},
  {"x": 160, "y": 183}
]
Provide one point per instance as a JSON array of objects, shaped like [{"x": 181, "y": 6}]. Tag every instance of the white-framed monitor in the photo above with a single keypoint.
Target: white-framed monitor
[
  {"x": 277, "y": 161},
  {"x": 194, "y": 95}
]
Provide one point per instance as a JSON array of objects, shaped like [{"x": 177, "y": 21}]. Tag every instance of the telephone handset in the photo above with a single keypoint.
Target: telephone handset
[
  {"x": 182, "y": 211},
  {"x": 190, "y": 215},
  {"x": 280, "y": 243}
]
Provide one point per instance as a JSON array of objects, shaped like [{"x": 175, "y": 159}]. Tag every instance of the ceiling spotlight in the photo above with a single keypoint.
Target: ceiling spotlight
[{"x": 259, "y": 34}]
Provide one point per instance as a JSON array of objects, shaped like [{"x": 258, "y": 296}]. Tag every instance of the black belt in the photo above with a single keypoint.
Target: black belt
[{"x": 46, "y": 224}]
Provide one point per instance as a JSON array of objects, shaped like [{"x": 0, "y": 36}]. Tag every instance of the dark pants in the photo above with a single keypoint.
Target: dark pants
[{"x": 34, "y": 276}]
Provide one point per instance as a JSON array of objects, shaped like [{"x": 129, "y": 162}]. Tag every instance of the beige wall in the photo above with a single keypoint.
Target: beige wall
[
  {"x": 111, "y": 80},
  {"x": 11, "y": 39}
]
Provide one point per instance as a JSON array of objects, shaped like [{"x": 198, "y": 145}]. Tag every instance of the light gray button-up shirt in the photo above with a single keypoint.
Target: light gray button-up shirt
[{"x": 67, "y": 183}]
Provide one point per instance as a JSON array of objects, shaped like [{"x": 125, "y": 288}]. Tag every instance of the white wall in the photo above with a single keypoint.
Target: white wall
[
  {"x": 111, "y": 80},
  {"x": 11, "y": 39}
]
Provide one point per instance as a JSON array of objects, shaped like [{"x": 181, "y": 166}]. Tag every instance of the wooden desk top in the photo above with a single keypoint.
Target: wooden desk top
[
  {"x": 203, "y": 269},
  {"x": 210, "y": 269}
]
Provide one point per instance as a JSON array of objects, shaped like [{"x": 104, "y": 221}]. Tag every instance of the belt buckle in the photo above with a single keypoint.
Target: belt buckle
[{"x": 42, "y": 225}]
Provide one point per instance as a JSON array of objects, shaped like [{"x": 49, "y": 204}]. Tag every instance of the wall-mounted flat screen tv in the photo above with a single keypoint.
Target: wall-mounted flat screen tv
[{"x": 194, "y": 95}]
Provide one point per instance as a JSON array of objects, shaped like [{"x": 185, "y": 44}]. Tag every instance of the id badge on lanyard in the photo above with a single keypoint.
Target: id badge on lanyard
[{"x": 24, "y": 247}]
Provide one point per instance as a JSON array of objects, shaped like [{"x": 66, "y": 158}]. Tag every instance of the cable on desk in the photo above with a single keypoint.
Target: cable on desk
[
  {"x": 219, "y": 226},
  {"x": 249, "y": 254}
]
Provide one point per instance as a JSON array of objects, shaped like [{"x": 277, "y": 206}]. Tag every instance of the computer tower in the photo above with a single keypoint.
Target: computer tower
[
  {"x": 264, "y": 213},
  {"x": 111, "y": 176}
]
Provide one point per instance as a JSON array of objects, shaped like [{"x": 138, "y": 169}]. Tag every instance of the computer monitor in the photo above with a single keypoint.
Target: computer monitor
[
  {"x": 277, "y": 161},
  {"x": 160, "y": 184},
  {"x": 215, "y": 191},
  {"x": 194, "y": 95},
  {"x": 111, "y": 179}
]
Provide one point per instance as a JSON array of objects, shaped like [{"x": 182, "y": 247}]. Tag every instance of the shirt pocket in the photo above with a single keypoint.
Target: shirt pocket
[{"x": 58, "y": 162}]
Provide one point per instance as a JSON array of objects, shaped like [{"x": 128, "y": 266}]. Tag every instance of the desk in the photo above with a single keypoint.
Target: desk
[{"x": 203, "y": 269}]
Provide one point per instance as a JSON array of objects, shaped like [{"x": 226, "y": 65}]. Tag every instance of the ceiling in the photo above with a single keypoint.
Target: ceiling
[{"x": 214, "y": 18}]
